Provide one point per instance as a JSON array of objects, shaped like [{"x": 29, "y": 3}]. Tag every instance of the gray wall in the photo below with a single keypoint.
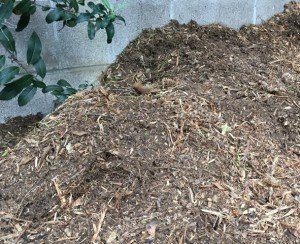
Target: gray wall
[{"x": 70, "y": 55}]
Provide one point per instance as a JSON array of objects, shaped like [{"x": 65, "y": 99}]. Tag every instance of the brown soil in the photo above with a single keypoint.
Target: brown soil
[{"x": 209, "y": 153}]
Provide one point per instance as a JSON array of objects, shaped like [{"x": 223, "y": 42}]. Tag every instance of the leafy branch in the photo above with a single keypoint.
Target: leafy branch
[{"x": 98, "y": 16}]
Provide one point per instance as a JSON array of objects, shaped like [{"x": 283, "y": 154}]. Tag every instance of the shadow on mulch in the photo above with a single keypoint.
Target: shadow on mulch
[{"x": 15, "y": 129}]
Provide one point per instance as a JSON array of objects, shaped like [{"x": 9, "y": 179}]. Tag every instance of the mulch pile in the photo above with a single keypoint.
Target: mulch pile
[{"x": 193, "y": 137}]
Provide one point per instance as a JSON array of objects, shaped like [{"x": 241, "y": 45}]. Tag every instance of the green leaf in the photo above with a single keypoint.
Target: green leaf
[
  {"x": 83, "y": 86},
  {"x": 26, "y": 95},
  {"x": 74, "y": 5},
  {"x": 7, "y": 74},
  {"x": 91, "y": 5},
  {"x": 22, "y": 7},
  {"x": 54, "y": 15},
  {"x": 110, "y": 31},
  {"x": 63, "y": 83},
  {"x": 83, "y": 17},
  {"x": 59, "y": 1},
  {"x": 68, "y": 16},
  {"x": 112, "y": 16},
  {"x": 91, "y": 30},
  {"x": 6, "y": 10},
  {"x": 107, "y": 5},
  {"x": 97, "y": 8},
  {"x": 2, "y": 61},
  {"x": 102, "y": 23},
  {"x": 21, "y": 83},
  {"x": 121, "y": 18},
  {"x": 101, "y": 7},
  {"x": 61, "y": 98},
  {"x": 57, "y": 92},
  {"x": 51, "y": 88},
  {"x": 23, "y": 22},
  {"x": 46, "y": 8},
  {"x": 40, "y": 68},
  {"x": 61, "y": 6},
  {"x": 39, "y": 84},
  {"x": 7, "y": 40},
  {"x": 81, "y": 2},
  {"x": 69, "y": 91},
  {"x": 34, "y": 49},
  {"x": 9, "y": 93},
  {"x": 71, "y": 22},
  {"x": 32, "y": 10}
]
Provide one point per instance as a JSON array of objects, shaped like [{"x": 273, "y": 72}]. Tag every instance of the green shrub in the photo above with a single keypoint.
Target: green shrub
[{"x": 100, "y": 16}]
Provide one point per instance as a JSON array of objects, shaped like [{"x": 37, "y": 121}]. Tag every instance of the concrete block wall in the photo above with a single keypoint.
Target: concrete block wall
[{"x": 70, "y": 55}]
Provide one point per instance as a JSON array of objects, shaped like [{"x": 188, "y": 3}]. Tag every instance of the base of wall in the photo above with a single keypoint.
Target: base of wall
[
  {"x": 69, "y": 48},
  {"x": 44, "y": 102}
]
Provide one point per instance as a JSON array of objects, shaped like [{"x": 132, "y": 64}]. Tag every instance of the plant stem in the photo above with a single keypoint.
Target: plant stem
[{"x": 14, "y": 58}]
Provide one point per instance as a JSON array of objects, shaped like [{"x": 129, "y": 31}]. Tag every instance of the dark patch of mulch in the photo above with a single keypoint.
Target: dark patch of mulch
[
  {"x": 15, "y": 129},
  {"x": 193, "y": 137}
]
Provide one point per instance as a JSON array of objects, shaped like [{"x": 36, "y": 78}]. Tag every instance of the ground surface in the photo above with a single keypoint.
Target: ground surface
[{"x": 194, "y": 137}]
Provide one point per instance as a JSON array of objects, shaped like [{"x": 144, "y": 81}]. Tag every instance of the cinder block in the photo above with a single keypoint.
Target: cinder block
[
  {"x": 231, "y": 13},
  {"x": 76, "y": 76},
  {"x": 155, "y": 13},
  {"x": 235, "y": 13},
  {"x": 267, "y": 8},
  {"x": 132, "y": 12},
  {"x": 204, "y": 12},
  {"x": 77, "y": 50}
]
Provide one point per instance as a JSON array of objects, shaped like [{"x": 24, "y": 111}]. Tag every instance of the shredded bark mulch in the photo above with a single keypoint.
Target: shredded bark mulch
[{"x": 193, "y": 137}]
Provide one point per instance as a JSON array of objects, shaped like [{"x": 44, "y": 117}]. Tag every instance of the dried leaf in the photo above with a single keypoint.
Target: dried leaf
[
  {"x": 45, "y": 153},
  {"x": 97, "y": 228},
  {"x": 104, "y": 91},
  {"x": 31, "y": 141},
  {"x": 26, "y": 160},
  {"x": 52, "y": 117},
  {"x": 293, "y": 229},
  {"x": 79, "y": 133},
  {"x": 218, "y": 185},
  {"x": 141, "y": 89},
  {"x": 77, "y": 202},
  {"x": 60, "y": 195},
  {"x": 69, "y": 148},
  {"x": 112, "y": 237},
  {"x": 151, "y": 229}
]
